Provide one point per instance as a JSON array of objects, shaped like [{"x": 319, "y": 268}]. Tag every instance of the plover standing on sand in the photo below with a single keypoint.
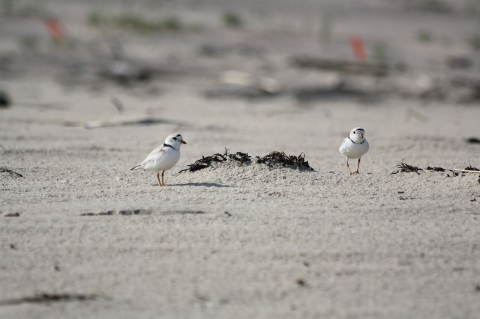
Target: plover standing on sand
[
  {"x": 163, "y": 157},
  {"x": 354, "y": 146}
]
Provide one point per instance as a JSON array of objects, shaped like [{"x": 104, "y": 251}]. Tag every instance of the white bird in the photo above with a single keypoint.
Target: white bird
[
  {"x": 163, "y": 157},
  {"x": 354, "y": 146}
]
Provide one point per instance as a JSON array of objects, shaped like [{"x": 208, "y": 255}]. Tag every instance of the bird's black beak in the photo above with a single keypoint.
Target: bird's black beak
[{"x": 183, "y": 142}]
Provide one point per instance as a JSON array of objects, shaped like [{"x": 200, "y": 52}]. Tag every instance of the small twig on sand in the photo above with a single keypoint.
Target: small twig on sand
[
  {"x": 49, "y": 298},
  {"x": 468, "y": 170},
  {"x": 6, "y": 170}
]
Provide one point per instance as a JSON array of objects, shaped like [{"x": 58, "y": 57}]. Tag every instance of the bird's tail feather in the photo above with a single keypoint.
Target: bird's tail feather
[{"x": 136, "y": 167}]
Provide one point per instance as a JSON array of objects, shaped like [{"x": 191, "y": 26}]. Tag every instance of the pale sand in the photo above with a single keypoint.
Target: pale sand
[
  {"x": 293, "y": 244},
  {"x": 361, "y": 250}
]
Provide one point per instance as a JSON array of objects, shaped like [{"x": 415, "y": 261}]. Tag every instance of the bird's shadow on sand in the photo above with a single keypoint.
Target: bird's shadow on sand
[{"x": 201, "y": 184}]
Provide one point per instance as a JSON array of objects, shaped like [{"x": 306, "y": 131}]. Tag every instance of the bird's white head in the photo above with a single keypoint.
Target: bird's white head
[
  {"x": 357, "y": 135},
  {"x": 175, "y": 140}
]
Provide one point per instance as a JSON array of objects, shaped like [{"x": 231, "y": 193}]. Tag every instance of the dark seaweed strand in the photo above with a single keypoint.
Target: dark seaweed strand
[
  {"x": 405, "y": 168},
  {"x": 470, "y": 168},
  {"x": 441, "y": 169}
]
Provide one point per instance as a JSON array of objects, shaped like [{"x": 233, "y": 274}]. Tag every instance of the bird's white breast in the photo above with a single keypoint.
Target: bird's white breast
[{"x": 353, "y": 150}]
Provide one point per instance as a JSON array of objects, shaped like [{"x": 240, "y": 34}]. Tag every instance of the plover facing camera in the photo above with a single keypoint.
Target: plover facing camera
[
  {"x": 163, "y": 157},
  {"x": 354, "y": 146}
]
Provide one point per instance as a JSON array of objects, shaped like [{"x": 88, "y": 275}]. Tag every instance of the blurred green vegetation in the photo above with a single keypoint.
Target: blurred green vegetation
[
  {"x": 473, "y": 6},
  {"x": 326, "y": 27},
  {"x": 232, "y": 20},
  {"x": 474, "y": 40},
  {"x": 424, "y": 36},
  {"x": 7, "y": 6},
  {"x": 379, "y": 54},
  {"x": 29, "y": 42},
  {"x": 17, "y": 8},
  {"x": 134, "y": 22}
]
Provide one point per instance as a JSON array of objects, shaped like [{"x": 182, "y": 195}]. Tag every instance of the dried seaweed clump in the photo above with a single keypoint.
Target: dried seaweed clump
[
  {"x": 472, "y": 140},
  {"x": 473, "y": 169},
  {"x": 207, "y": 161},
  {"x": 240, "y": 157},
  {"x": 441, "y": 169},
  {"x": 280, "y": 158},
  {"x": 405, "y": 168}
]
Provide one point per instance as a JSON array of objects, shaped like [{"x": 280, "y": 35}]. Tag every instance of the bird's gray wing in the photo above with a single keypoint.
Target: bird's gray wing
[
  {"x": 343, "y": 144},
  {"x": 154, "y": 155},
  {"x": 343, "y": 147}
]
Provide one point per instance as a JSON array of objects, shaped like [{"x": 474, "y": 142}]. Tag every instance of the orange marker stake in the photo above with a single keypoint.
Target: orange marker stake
[
  {"x": 54, "y": 29},
  {"x": 357, "y": 47}
]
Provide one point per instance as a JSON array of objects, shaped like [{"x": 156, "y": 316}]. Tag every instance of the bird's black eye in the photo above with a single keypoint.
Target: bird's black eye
[
  {"x": 174, "y": 138},
  {"x": 354, "y": 132}
]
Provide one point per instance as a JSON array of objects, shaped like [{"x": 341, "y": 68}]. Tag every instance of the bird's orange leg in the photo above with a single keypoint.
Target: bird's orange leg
[
  {"x": 158, "y": 179},
  {"x": 348, "y": 166},
  {"x": 358, "y": 166},
  {"x": 163, "y": 183}
]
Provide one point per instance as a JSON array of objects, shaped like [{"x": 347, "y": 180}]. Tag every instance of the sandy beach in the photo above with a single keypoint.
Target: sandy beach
[{"x": 93, "y": 239}]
